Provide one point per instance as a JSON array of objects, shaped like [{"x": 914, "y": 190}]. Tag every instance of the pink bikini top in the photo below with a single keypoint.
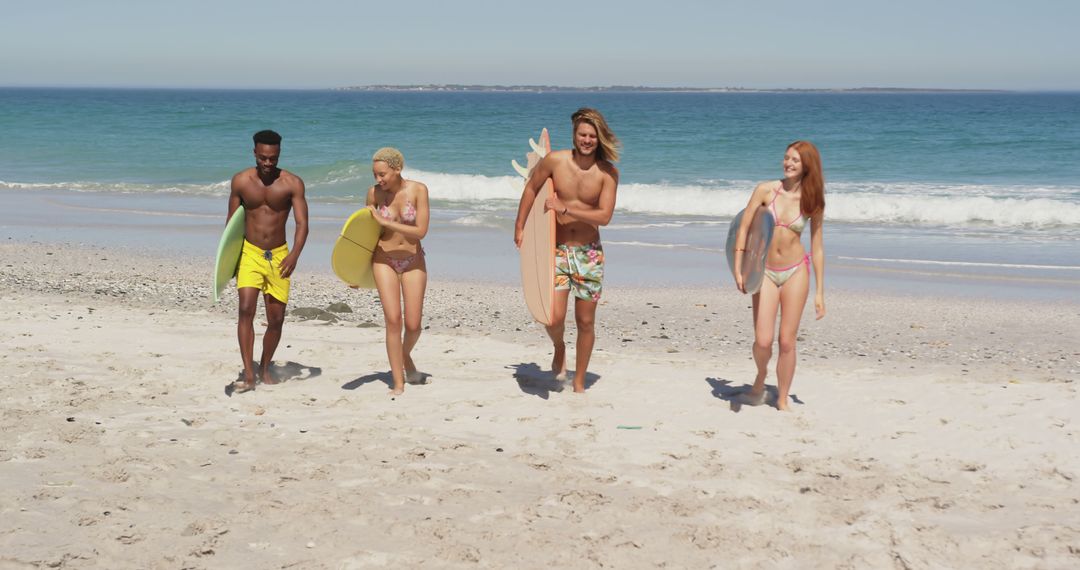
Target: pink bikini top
[
  {"x": 408, "y": 214},
  {"x": 795, "y": 225}
]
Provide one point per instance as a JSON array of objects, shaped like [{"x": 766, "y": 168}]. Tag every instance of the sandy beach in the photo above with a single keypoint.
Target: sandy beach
[{"x": 926, "y": 432}]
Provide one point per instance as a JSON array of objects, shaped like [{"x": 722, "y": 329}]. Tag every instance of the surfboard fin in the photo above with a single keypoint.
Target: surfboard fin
[
  {"x": 537, "y": 148},
  {"x": 524, "y": 172}
]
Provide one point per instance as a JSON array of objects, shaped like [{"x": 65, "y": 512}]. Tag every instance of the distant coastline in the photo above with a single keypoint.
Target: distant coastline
[{"x": 443, "y": 88}]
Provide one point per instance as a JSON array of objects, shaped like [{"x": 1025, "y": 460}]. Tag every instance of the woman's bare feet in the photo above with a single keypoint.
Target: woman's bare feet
[
  {"x": 412, "y": 375},
  {"x": 751, "y": 399}
]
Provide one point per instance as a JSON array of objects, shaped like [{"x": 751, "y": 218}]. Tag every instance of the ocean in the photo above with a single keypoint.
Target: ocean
[{"x": 928, "y": 193}]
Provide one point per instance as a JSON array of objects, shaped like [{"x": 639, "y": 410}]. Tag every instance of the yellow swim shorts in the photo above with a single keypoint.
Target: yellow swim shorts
[{"x": 261, "y": 269}]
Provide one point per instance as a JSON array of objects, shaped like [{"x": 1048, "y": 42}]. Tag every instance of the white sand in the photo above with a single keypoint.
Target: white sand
[{"x": 927, "y": 433}]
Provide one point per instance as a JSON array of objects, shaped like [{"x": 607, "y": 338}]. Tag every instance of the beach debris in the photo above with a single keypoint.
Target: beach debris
[
  {"x": 627, "y": 427},
  {"x": 499, "y": 449},
  {"x": 311, "y": 545},
  {"x": 339, "y": 308},
  {"x": 233, "y": 452},
  {"x": 1063, "y": 474},
  {"x": 71, "y": 418},
  {"x": 313, "y": 313},
  {"x": 259, "y": 410}
]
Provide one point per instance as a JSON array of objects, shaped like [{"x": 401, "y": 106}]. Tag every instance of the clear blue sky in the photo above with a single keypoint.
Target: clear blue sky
[{"x": 1007, "y": 44}]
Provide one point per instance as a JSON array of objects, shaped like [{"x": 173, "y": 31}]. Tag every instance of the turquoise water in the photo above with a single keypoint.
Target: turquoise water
[
  {"x": 973, "y": 180},
  {"x": 979, "y": 156}
]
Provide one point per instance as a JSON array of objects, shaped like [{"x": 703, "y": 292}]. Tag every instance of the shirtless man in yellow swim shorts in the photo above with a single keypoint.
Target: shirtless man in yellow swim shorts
[
  {"x": 585, "y": 182},
  {"x": 267, "y": 194}
]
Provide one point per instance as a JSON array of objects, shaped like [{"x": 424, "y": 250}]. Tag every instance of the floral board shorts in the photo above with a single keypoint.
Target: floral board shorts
[{"x": 580, "y": 268}]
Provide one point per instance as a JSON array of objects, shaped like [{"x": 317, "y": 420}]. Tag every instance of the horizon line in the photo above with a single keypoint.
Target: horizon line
[{"x": 464, "y": 87}]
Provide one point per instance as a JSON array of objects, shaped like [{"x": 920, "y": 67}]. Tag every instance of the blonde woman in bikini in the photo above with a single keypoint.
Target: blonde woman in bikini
[
  {"x": 401, "y": 208},
  {"x": 796, "y": 200}
]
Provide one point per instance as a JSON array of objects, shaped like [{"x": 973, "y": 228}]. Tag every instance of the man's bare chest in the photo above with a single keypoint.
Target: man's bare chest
[
  {"x": 271, "y": 197},
  {"x": 585, "y": 187}
]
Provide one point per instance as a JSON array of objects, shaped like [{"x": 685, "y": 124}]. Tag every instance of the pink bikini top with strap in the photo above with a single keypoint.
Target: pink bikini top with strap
[
  {"x": 408, "y": 213},
  {"x": 795, "y": 225}
]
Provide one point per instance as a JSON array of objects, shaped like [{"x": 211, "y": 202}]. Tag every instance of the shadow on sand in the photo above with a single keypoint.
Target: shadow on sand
[
  {"x": 541, "y": 383},
  {"x": 726, "y": 390},
  {"x": 384, "y": 377},
  {"x": 288, "y": 372}
]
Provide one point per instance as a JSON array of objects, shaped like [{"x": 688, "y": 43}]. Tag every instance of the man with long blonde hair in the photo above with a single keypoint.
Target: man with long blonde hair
[{"x": 585, "y": 181}]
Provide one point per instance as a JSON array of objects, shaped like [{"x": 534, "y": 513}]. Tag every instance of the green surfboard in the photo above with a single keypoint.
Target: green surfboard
[{"x": 228, "y": 252}]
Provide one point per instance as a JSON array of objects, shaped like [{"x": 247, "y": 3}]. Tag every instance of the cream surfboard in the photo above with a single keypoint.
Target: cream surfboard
[
  {"x": 228, "y": 252},
  {"x": 538, "y": 243},
  {"x": 351, "y": 258},
  {"x": 758, "y": 237}
]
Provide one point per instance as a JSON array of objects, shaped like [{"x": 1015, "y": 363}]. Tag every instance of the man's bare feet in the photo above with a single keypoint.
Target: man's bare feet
[
  {"x": 268, "y": 378},
  {"x": 239, "y": 387},
  {"x": 396, "y": 391},
  {"x": 558, "y": 362}
]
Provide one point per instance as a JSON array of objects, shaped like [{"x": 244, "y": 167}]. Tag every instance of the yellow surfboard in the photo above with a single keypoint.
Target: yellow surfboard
[
  {"x": 538, "y": 244},
  {"x": 351, "y": 258}
]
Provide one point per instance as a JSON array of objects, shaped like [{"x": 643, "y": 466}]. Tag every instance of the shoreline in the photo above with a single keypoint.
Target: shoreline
[{"x": 896, "y": 262}]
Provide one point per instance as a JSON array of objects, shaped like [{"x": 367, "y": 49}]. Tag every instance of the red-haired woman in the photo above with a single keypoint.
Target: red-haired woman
[{"x": 797, "y": 199}]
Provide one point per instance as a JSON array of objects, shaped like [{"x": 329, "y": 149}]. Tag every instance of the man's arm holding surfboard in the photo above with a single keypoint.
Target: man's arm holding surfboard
[
  {"x": 300, "y": 215},
  {"x": 761, "y": 193},
  {"x": 540, "y": 174},
  {"x": 234, "y": 197},
  {"x": 605, "y": 205}
]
